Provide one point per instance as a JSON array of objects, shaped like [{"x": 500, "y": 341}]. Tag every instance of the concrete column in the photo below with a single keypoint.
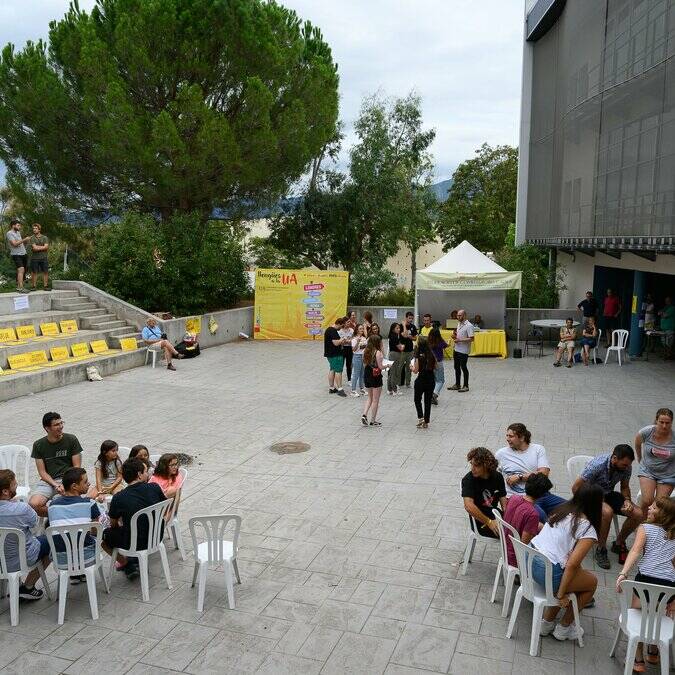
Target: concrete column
[{"x": 635, "y": 344}]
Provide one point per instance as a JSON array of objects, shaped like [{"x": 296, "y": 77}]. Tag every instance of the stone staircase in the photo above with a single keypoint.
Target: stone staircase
[{"x": 94, "y": 324}]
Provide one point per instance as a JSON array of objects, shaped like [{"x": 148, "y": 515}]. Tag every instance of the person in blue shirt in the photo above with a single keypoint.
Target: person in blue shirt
[{"x": 153, "y": 337}]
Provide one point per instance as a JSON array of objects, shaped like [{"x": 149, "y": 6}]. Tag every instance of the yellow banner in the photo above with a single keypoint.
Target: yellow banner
[
  {"x": 128, "y": 344},
  {"x": 79, "y": 349},
  {"x": 68, "y": 326},
  {"x": 59, "y": 353},
  {"x": 193, "y": 325},
  {"x": 7, "y": 335},
  {"x": 25, "y": 332},
  {"x": 49, "y": 329}
]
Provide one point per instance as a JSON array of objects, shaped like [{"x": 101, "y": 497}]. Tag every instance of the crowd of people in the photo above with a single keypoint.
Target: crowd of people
[
  {"x": 358, "y": 348},
  {"x": 33, "y": 248},
  {"x": 515, "y": 481},
  {"x": 64, "y": 495}
]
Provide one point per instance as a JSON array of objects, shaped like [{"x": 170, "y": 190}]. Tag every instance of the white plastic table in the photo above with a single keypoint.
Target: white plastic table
[{"x": 550, "y": 324}]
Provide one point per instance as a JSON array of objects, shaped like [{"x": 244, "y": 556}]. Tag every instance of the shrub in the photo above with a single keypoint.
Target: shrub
[{"x": 367, "y": 282}]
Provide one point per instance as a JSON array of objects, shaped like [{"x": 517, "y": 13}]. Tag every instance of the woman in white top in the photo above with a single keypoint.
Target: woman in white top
[
  {"x": 565, "y": 540},
  {"x": 655, "y": 546},
  {"x": 358, "y": 346}
]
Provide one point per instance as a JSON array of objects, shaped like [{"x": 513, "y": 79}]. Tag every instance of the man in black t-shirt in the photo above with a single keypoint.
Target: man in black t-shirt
[
  {"x": 332, "y": 350},
  {"x": 589, "y": 306},
  {"x": 138, "y": 495},
  {"x": 483, "y": 489},
  {"x": 408, "y": 337}
]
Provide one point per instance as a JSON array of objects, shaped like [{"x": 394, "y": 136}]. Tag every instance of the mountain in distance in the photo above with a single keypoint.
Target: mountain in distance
[{"x": 441, "y": 189}]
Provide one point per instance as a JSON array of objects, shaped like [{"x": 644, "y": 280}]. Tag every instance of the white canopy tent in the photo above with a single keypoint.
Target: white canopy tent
[{"x": 464, "y": 278}]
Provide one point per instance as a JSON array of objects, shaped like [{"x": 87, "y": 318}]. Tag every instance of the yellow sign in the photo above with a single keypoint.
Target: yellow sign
[
  {"x": 80, "y": 349},
  {"x": 37, "y": 358},
  {"x": 298, "y": 304},
  {"x": 634, "y": 307},
  {"x": 98, "y": 346},
  {"x": 26, "y": 332},
  {"x": 193, "y": 325},
  {"x": 68, "y": 326},
  {"x": 59, "y": 353},
  {"x": 18, "y": 361},
  {"x": 128, "y": 344},
  {"x": 49, "y": 329},
  {"x": 7, "y": 335}
]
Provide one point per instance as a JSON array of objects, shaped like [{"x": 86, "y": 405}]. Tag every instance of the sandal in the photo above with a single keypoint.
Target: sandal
[
  {"x": 639, "y": 666},
  {"x": 420, "y": 422},
  {"x": 652, "y": 657}
]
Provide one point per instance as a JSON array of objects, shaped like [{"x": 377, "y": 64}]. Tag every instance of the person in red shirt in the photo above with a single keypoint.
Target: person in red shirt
[
  {"x": 610, "y": 314},
  {"x": 522, "y": 515}
]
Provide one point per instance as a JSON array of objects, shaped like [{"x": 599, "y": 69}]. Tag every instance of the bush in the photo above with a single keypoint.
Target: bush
[
  {"x": 367, "y": 282},
  {"x": 396, "y": 297}
]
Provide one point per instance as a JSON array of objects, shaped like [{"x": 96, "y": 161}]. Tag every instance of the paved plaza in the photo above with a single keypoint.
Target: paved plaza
[{"x": 349, "y": 551}]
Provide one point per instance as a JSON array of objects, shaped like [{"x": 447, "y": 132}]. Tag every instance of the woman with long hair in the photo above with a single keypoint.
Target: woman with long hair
[
  {"x": 367, "y": 322},
  {"x": 424, "y": 364},
  {"x": 108, "y": 468},
  {"x": 655, "y": 450},
  {"x": 166, "y": 474},
  {"x": 396, "y": 347},
  {"x": 374, "y": 329},
  {"x": 589, "y": 339},
  {"x": 655, "y": 546},
  {"x": 141, "y": 452},
  {"x": 438, "y": 346},
  {"x": 567, "y": 537},
  {"x": 373, "y": 361},
  {"x": 346, "y": 333},
  {"x": 358, "y": 346}
]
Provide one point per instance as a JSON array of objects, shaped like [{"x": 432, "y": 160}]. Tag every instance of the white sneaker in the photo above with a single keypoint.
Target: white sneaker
[
  {"x": 390, "y": 393},
  {"x": 546, "y": 627},
  {"x": 398, "y": 393},
  {"x": 571, "y": 632},
  {"x": 355, "y": 394}
]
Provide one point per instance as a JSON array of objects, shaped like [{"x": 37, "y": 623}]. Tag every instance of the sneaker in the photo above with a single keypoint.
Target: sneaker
[
  {"x": 455, "y": 387},
  {"x": 26, "y": 593},
  {"x": 364, "y": 420},
  {"x": 355, "y": 394},
  {"x": 332, "y": 391},
  {"x": 434, "y": 399},
  {"x": 376, "y": 424},
  {"x": 363, "y": 392},
  {"x": 571, "y": 632},
  {"x": 556, "y": 364},
  {"x": 171, "y": 367},
  {"x": 590, "y": 604},
  {"x": 79, "y": 579},
  {"x": 462, "y": 389},
  {"x": 341, "y": 392},
  {"x": 132, "y": 572},
  {"x": 569, "y": 365},
  {"x": 546, "y": 627},
  {"x": 601, "y": 558},
  {"x": 398, "y": 393}
]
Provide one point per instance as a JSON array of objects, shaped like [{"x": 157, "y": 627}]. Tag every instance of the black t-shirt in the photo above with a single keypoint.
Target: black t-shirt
[
  {"x": 485, "y": 492},
  {"x": 329, "y": 349},
  {"x": 589, "y": 307},
  {"x": 130, "y": 500},
  {"x": 408, "y": 345},
  {"x": 394, "y": 341}
]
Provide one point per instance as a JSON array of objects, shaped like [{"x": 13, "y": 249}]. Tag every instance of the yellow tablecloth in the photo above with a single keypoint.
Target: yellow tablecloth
[{"x": 485, "y": 343}]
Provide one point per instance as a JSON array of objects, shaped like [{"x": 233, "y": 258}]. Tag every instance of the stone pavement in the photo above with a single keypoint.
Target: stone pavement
[{"x": 349, "y": 552}]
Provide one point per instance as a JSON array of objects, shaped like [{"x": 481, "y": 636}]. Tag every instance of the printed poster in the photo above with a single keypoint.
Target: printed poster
[{"x": 298, "y": 304}]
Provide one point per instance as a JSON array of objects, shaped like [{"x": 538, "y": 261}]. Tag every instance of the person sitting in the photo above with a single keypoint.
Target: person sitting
[
  {"x": 565, "y": 540},
  {"x": 138, "y": 495},
  {"x": 167, "y": 476},
  {"x": 521, "y": 512},
  {"x": 141, "y": 452},
  {"x": 519, "y": 460},
  {"x": 568, "y": 335},
  {"x": 155, "y": 339},
  {"x": 607, "y": 470},
  {"x": 589, "y": 339},
  {"x": 53, "y": 455},
  {"x": 21, "y": 516},
  {"x": 483, "y": 489},
  {"x": 478, "y": 322},
  {"x": 655, "y": 546},
  {"x": 73, "y": 508},
  {"x": 108, "y": 468}
]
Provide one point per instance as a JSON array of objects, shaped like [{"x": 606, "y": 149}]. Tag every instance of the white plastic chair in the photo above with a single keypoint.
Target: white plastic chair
[
  {"x": 13, "y": 579},
  {"x": 505, "y": 571},
  {"x": 123, "y": 452},
  {"x": 9, "y": 459},
  {"x": 472, "y": 538},
  {"x": 154, "y": 351},
  {"x": 72, "y": 561},
  {"x": 597, "y": 342},
  {"x": 575, "y": 465},
  {"x": 619, "y": 342},
  {"x": 155, "y": 515},
  {"x": 649, "y": 624},
  {"x": 173, "y": 524},
  {"x": 215, "y": 550},
  {"x": 538, "y": 596}
]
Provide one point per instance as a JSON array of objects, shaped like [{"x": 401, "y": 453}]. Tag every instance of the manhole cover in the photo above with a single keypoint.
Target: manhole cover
[{"x": 289, "y": 447}]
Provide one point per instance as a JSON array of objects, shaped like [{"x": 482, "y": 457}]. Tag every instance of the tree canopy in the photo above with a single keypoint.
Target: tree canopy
[{"x": 168, "y": 106}]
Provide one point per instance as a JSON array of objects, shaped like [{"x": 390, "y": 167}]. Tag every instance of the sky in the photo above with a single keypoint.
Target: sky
[{"x": 463, "y": 57}]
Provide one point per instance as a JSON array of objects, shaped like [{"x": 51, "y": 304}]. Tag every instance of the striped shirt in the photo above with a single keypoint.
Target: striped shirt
[
  {"x": 69, "y": 510},
  {"x": 657, "y": 560}
]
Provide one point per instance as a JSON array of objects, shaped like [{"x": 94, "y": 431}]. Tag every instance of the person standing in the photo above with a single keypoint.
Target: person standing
[
  {"x": 611, "y": 309},
  {"x": 463, "y": 337},
  {"x": 589, "y": 306},
  {"x": 17, "y": 250},
  {"x": 332, "y": 350},
  {"x": 367, "y": 322},
  {"x": 358, "y": 346},
  {"x": 424, "y": 365},
  {"x": 396, "y": 347},
  {"x": 373, "y": 360},
  {"x": 408, "y": 337},
  {"x": 426, "y": 325},
  {"x": 39, "y": 262},
  {"x": 438, "y": 346},
  {"x": 153, "y": 337},
  {"x": 667, "y": 315},
  {"x": 346, "y": 333}
]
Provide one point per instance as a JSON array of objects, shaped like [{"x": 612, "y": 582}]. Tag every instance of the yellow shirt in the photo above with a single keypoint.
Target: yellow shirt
[{"x": 425, "y": 330}]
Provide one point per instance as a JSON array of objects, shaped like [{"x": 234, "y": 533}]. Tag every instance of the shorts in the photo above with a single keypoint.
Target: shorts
[
  {"x": 539, "y": 573},
  {"x": 646, "y": 579},
  {"x": 39, "y": 266},
  {"x": 20, "y": 261},
  {"x": 590, "y": 342},
  {"x": 336, "y": 363},
  {"x": 566, "y": 345},
  {"x": 116, "y": 537},
  {"x": 615, "y": 500},
  {"x": 44, "y": 546},
  {"x": 646, "y": 473},
  {"x": 610, "y": 323},
  {"x": 45, "y": 489}
]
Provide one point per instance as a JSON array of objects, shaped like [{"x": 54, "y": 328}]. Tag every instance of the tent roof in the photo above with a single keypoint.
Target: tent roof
[{"x": 464, "y": 259}]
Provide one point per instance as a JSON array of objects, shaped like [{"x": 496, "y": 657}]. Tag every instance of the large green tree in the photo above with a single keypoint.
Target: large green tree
[
  {"x": 168, "y": 106},
  {"x": 481, "y": 203}
]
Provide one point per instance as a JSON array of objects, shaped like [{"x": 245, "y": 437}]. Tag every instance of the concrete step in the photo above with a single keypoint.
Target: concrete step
[
  {"x": 88, "y": 321},
  {"x": 67, "y": 301},
  {"x": 36, "y": 318},
  {"x": 38, "y": 301},
  {"x": 104, "y": 325},
  {"x": 78, "y": 304},
  {"x": 114, "y": 340}
]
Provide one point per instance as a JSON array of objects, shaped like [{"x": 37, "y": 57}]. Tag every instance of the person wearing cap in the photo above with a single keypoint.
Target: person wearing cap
[
  {"x": 153, "y": 337},
  {"x": 17, "y": 251}
]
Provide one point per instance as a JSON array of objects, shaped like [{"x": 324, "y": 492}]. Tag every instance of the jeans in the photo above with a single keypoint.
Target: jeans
[
  {"x": 460, "y": 361},
  {"x": 439, "y": 376},
  {"x": 406, "y": 373},
  {"x": 424, "y": 386},
  {"x": 544, "y": 505},
  {"x": 539, "y": 573},
  {"x": 394, "y": 375},
  {"x": 357, "y": 372},
  {"x": 349, "y": 355}
]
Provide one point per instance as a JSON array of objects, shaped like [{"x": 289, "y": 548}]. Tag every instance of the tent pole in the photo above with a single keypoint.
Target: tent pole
[{"x": 520, "y": 298}]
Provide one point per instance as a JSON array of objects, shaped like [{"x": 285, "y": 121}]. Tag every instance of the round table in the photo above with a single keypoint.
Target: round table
[{"x": 550, "y": 324}]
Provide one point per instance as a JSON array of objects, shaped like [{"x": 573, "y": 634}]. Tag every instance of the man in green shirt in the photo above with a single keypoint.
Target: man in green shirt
[
  {"x": 39, "y": 264},
  {"x": 667, "y": 315},
  {"x": 53, "y": 455}
]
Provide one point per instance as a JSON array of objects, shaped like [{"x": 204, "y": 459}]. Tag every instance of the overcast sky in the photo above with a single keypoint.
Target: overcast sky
[{"x": 462, "y": 56}]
